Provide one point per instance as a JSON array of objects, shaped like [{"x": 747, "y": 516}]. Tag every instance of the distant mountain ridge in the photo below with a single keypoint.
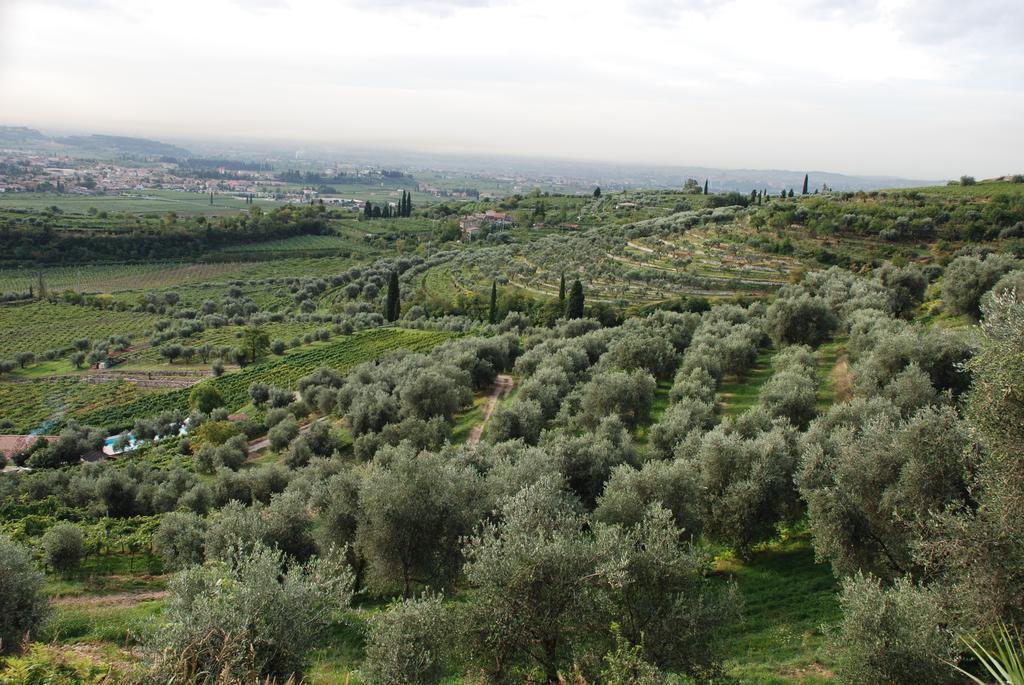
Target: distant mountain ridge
[
  {"x": 578, "y": 174},
  {"x": 97, "y": 144}
]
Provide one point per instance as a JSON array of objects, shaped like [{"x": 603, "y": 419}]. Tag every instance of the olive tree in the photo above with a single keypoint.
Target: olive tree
[
  {"x": 746, "y": 477},
  {"x": 892, "y": 635},
  {"x": 802, "y": 319},
  {"x": 522, "y": 419},
  {"x": 672, "y": 484},
  {"x": 24, "y": 607},
  {"x": 531, "y": 598},
  {"x": 256, "y": 619},
  {"x": 871, "y": 488},
  {"x": 967, "y": 278},
  {"x": 627, "y": 395},
  {"x": 414, "y": 508},
  {"x": 410, "y": 643},
  {"x": 63, "y": 545},
  {"x": 179, "y": 539}
]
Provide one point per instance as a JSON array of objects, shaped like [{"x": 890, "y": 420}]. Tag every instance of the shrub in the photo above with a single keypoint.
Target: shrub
[
  {"x": 409, "y": 643},
  {"x": 179, "y": 539},
  {"x": 802, "y": 319},
  {"x": 63, "y": 545},
  {"x": 520, "y": 419},
  {"x": 283, "y": 433},
  {"x": 205, "y": 398},
  {"x": 255, "y": 620},
  {"x": 891, "y": 635},
  {"x": 23, "y": 606}
]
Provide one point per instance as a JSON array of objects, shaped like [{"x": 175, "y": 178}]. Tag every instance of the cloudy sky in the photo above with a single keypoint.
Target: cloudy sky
[{"x": 919, "y": 88}]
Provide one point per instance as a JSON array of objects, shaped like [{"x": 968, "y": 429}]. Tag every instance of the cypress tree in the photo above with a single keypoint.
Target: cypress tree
[
  {"x": 597, "y": 191},
  {"x": 574, "y": 306},
  {"x": 393, "y": 306},
  {"x": 493, "y": 317},
  {"x": 805, "y": 185},
  {"x": 705, "y": 186},
  {"x": 561, "y": 291},
  {"x": 408, "y": 203},
  {"x": 368, "y": 210}
]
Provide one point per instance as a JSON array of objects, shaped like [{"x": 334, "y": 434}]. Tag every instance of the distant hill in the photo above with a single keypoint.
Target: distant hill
[
  {"x": 613, "y": 176},
  {"x": 24, "y": 138},
  {"x": 20, "y": 136},
  {"x": 123, "y": 145}
]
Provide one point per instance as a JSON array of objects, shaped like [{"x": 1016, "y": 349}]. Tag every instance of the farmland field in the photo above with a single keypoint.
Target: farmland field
[
  {"x": 45, "y": 404},
  {"x": 341, "y": 353},
  {"x": 42, "y": 326},
  {"x": 122, "y": 277},
  {"x": 139, "y": 202}
]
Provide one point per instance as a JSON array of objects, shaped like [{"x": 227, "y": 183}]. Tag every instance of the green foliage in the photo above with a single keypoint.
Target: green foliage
[
  {"x": 205, "y": 398},
  {"x": 413, "y": 511},
  {"x": 410, "y": 643},
  {"x": 872, "y": 482},
  {"x": 627, "y": 395},
  {"x": 23, "y": 606},
  {"x": 746, "y": 479},
  {"x": 626, "y": 664},
  {"x": 543, "y": 591},
  {"x": 574, "y": 303},
  {"x": 803, "y": 320},
  {"x": 1004, "y": 661},
  {"x": 893, "y": 635},
  {"x": 256, "y": 619},
  {"x": 63, "y": 545},
  {"x": 393, "y": 306},
  {"x": 179, "y": 539},
  {"x": 968, "y": 278}
]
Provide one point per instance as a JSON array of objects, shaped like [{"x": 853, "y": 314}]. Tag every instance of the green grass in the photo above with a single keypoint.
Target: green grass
[
  {"x": 738, "y": 394},
  {"x": 41, "y": 326},
  {"x": 147, "y": 201},
  {"x": 121, "y": 625},
  {"x": 467, "y": 420},
  {"x": 658, "y": 407},
  {"x": 827, "y": 356},
  {"x": 981, "y": 189},
  {"x": 787, "y": 600},
  {"x": 336, "y": 663}
]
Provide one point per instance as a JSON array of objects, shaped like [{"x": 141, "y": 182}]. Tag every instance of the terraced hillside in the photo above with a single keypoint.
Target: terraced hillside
[{"x": 708, "y": 253}]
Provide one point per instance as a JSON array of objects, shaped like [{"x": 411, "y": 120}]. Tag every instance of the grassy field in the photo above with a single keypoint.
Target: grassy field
[
  {"x": 980, "y": 189},
  {"x": 788, "y": 598},
  {"x": 113, "y": 278},
  {"x": 42, "y": 326},
  {"x": 739, "y": 394},
  {"x": 340, "y": 353},
  {"x": 147, "y": 201},
  {"x": 45, "y": 404}
]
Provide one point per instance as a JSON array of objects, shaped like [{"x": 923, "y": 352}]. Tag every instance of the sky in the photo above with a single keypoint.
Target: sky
[{"x": 925, "y": 89}]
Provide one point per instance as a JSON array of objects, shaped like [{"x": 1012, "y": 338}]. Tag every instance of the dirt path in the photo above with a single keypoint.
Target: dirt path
[
  {"x": 842, "y": 381},
  {"x": 503, "y": 385},
  {"x": 260, "y": 444}
]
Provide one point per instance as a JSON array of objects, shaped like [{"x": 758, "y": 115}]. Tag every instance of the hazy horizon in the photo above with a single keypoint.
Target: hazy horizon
[{"x": 923, "y": 90}]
